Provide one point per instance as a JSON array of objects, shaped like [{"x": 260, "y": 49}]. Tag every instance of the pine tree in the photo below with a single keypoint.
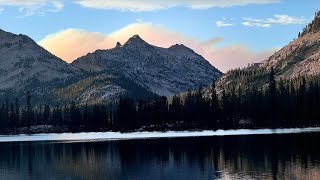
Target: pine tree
[
  {"x": 29, "y": 114},
  {"x": 272, "y": 97},
  {"x": 17, "y": 121}
]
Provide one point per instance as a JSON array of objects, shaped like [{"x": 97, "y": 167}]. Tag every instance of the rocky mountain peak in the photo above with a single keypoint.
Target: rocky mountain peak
[
  {"x": 118, "y": 44},
  {"x": 3, "y": 32},
  {"x": 23, "y": 61},
  {"x": 180, "y": 47},
  {"x": 163, "y": 71},
  {"x": 136, "y": 36},
  {"x": 135, "y": 41},
  {"x": 5, "y": 36},
  {"x": 9, "y": 40}
]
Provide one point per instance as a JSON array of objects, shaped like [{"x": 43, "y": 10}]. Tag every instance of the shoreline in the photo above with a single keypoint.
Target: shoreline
[{"x": 108, "y": 136}]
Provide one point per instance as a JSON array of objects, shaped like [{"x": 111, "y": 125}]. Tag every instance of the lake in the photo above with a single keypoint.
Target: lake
[{"x": 259, "y": 156}]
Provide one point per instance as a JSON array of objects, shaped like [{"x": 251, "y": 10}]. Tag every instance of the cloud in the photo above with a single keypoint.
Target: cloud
[
  {"x": 276, "y": 19},
  {"x": 250, "y": 24},
  {"x": 285, "y": 19},
  {"x": 151, "y": 5},
  {"x": 222, "y": 24},
  {"x": 70, "y": 44},
  {"x": 262, "y": 25},
  {"x": 31, "y": 7},
  {"x": 139, "y": 20},
  {"x": 1, "y": 10},
  {"x": 247, "y": 23},
  {"x": 213, "y": 41},
  {"x": 238, "y": 55}
]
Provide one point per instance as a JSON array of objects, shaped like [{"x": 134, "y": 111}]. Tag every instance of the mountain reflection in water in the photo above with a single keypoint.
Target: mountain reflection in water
[{"x": 288, "y": 156}]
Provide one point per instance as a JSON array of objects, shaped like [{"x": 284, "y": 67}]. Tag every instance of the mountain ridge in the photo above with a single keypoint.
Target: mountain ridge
[
  {"x": 300, "y": 57},
  {"x": 23, "y": 60},
  {"x": 164, "y": 71},
  {"x": 136, "y": 68}
]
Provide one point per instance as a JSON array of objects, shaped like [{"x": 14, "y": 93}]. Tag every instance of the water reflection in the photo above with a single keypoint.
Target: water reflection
[{"x": 294, "y": 156}]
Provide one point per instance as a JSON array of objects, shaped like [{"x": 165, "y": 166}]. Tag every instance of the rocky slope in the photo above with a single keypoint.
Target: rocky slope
[
  {"x": 163, "y": 71},
  {"x": 301, "y": 57},
  {"x": 22, "y": 60},
  {"x": 24, "y": 65},
  {"x": 99, "y": 88}
]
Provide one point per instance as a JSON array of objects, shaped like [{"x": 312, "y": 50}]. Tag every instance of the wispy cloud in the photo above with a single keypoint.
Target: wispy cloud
[
  {"x": 250, "y": 24},
  {"x": 276, "y": 19},
  {"x": 32, "y": 7},
  {"x": 151, "y": 5},
  {"x": 139, "y": 20},
  {"x": 223, "y": 24},
  {"x": 285, "y": 19},
  {"x": 77, "y": 42}
]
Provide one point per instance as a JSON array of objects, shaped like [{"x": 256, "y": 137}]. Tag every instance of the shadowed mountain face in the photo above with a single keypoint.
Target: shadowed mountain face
[
  {"x": 301, "y": 57},
  {"x": 135, "y": 69},
  {"x": 163, "y": 71}
]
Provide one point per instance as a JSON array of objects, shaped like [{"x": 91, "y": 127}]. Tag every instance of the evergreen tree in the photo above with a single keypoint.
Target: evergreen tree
[{"x": 272, "y": 98}]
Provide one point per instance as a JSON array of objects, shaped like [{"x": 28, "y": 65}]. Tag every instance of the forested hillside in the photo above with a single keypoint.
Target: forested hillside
[{"x": 286, "y": 103}]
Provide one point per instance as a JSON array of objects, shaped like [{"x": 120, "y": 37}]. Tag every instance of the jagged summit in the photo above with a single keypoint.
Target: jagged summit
[
  {"x": 136, "y": 36},
  {"x": 180, "y": 47},
  {"x": 136, "y": 68},
  {"x": 136, "y": 41},
  {"x": 17, "y": 41},
  {"x": 163, "y": 71},
  {"x": 177, "y": 46},
  {"x": 118, "y": 44},
  {"x": 23, "y": 61}
]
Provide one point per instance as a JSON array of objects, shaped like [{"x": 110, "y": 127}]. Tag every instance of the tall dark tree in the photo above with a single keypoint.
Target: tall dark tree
[
  {"x": 29, "y": 112},
  {"x": 214, "y": 105},
  {"x": 272, "y": 98}
]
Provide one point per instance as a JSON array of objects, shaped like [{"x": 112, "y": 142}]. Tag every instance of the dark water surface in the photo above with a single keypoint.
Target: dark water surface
[{"x": 288, "y": 156}]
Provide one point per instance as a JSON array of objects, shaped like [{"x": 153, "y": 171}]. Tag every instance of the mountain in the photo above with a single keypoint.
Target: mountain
[
  {"x": 301, "y": 57},
  {"x": 24, "y": 65},
  {"x": 136, "y": 69},
  {"x": 163, "y": 71}
]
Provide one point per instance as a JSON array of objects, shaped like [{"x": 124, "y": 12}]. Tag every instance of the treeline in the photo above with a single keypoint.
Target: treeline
[
  {"x": 282, "y": 103},
  {"x": 278, "y": 104}
]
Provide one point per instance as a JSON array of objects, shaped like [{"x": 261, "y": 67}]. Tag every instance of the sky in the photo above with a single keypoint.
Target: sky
[{"x": 228, "y": 33}]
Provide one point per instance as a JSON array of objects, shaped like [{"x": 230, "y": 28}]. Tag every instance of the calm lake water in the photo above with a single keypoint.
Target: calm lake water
[{"x": 272, "y": 156}]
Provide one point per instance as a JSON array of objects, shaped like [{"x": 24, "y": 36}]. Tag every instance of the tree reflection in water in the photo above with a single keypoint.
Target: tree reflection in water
[{"x": 292, "y": 156}]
